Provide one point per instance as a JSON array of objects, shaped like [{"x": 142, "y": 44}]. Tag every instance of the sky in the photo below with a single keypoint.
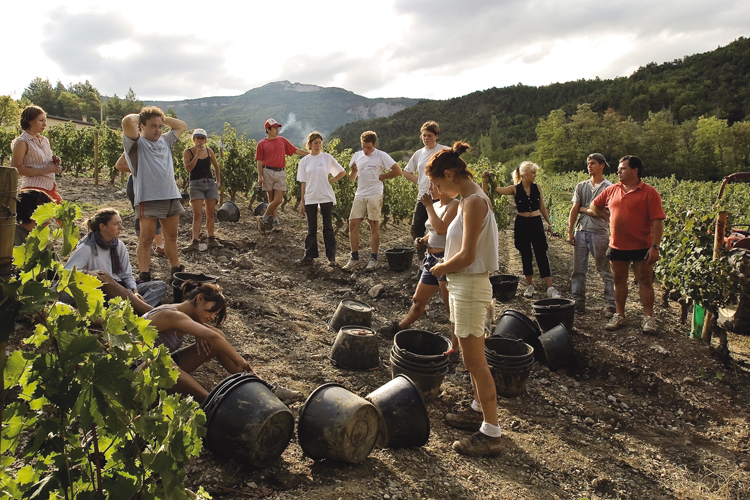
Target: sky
[{"x": 434, "y": 49}]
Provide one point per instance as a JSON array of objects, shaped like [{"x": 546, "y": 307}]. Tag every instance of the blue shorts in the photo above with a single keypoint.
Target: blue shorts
[{"x": 431, "y": 259}]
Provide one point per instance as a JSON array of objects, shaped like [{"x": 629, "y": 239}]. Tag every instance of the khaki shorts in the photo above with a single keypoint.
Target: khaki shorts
[
  {"x": 470, "y": 294},
  {"x": 369, "y": 207},
  {"x": 274, "y": 180},
  {"x": 160, "y": 209}
]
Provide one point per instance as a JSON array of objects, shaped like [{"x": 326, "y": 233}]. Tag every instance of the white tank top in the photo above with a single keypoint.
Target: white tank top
[
  {"x": 487, "y": 249},
  {"x": 436, "y": 240}
]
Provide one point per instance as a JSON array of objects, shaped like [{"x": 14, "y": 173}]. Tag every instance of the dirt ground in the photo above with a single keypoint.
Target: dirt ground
[{"x": 642, "y": 417}]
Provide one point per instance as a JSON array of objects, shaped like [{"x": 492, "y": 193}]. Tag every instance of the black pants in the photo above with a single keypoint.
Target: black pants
[
  {"x": 528, "y": 233},
  {"x": 329, "y": 238},
  {"x": 418, "y": 220}
]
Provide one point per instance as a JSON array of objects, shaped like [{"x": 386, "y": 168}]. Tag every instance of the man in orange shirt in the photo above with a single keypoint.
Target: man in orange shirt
[{"x": 636, "y": 225}]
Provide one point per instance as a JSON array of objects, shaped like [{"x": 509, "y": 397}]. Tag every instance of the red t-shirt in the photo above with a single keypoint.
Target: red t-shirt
[
  {"x": 273, "y": 152},
  {"x": 631, "y": 214}
]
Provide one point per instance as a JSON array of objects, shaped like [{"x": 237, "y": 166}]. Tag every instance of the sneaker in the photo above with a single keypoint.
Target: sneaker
[
  {"x": 552, "y": 293},
  {"x": 649, "y": 326},
  {"x": 193, "y": 247},
  {"x": 287, "y": 396},
  {"x": 529, "y": 292},
  {"x": 160, "y": 252},
  {"x": 479, "y": 445},
  {"x": 616, "y": 322},
  {"x": 305, "y": 261},
  {"x": 212, "y": 243},
  {"x": 609, "y": 311},
  {"x": 352, "y": 265},
  {"x": 372, "y": 265},
  {"x": 580, "y": 307},
  {"x": 468, "y": 420},
  {"x": 276, "y": 225},
  {"x": 391, "y": 330}
]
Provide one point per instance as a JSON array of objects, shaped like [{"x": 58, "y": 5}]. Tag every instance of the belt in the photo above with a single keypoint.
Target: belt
[{"x": 274, "y": 168}]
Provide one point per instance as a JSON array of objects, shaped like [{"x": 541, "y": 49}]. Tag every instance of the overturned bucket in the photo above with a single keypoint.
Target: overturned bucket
[
  {"x": 245, "y": 421},
  {"x": 260, "y": 209},
  {"x": 404, "y": 420},
  {"x": 337, "y": 424},
  {"x": 355, "y": 348},
  {"x": 228, "y": 212},
  {"x": 351, "y": 312},
  {"x": 558, "y": 349}
]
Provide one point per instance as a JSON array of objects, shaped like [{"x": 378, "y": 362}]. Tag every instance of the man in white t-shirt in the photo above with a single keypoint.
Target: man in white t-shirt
[{"x": 371, "y": 166}]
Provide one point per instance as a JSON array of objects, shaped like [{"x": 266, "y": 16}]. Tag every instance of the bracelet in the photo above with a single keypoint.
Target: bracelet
[{"x": 655, "y": 246}]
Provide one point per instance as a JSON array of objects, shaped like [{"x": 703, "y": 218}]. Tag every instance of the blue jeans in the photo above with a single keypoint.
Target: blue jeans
[
  {"x": 595, "y": 244},
  {"x": 152, "y": 292}
]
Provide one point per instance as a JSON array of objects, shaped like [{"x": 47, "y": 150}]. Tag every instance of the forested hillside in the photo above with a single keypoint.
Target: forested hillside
[{"x": 502, "y": 122}]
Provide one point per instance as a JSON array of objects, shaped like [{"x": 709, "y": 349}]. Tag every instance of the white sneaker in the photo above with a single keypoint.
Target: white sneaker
[
  {"x": 529, "y": 292},
  {"x": 351, "y": 265},
  {"x": 649, "y": 326},
  {"x": 616, "y": 322},
  {"x": 372, "y": 265},
  {"x": 552, "y": 293}
]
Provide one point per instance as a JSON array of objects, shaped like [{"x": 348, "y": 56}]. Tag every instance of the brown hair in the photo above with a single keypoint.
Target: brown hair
[
  {"x": 28, "y": 201},
  {"x": 449, "y": 159},
  {"x": 311, "y": 137},
  {"x": 29, "y": 114},
  {"x": 102, "y": 216},
  {"x": 369, "y": 136},
  {"x": 148, "y": 112},
  {"x": 430, "y": 126},
  {"x": 211, "y": 293}
]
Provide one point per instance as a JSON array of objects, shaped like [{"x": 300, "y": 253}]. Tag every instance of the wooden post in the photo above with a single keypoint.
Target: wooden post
[
  {"x": 96, "y": 157},
  {"x": 709, "y": 322},
  {"x": 8, "y": 186},
  {"x": 221, "y": 188}
]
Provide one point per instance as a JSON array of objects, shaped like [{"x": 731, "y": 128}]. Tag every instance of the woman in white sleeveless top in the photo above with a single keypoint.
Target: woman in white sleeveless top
[{"x": 470, "y": 255}]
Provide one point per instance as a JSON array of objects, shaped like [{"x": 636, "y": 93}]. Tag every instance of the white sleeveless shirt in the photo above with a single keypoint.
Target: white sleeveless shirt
[
  {"x": 487, "y": 247},
  {"x": 436, "y": 240}
]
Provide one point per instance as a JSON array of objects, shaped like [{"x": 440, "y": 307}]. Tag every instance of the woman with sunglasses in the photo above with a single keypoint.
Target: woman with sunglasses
[{"x": 198, "y": 160}]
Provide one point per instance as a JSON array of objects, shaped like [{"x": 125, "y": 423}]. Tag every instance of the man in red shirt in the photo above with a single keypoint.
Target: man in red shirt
[
  {"x": 271, "y": 154},
  {"x": 636, "y": 223}
]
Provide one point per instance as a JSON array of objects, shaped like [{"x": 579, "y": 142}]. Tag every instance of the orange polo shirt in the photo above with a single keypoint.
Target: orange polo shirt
[{"x": 631, "y": 214}]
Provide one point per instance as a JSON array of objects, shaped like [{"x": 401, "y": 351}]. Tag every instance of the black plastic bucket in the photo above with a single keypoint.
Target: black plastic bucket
[
  {"x": 355, "y": 348},
  {"x": 260, "y": 209},
  {"x": 427, "y": 383},
  {"x": 404, "y": 420},
  {"x": 508, "y": 352},
  {"x": 510, "y": 382},
  {"x": 420, "y": 345},
  {"x": 423, "y": 367},
  {"x": 504, "y": 286},
  {"x": 245, "y": 421},
  {"x": 551, "y": 312},
  {"x": 515, "y": 325},
  {"x": 351, "y": 312},
  {"x": 179, "y": 278},
  {"x": 228, "y": 212},
  {"x": 558, "y": 349},
  {"x": 399, "y": 259},
  {"x": 336, "y": 424}
]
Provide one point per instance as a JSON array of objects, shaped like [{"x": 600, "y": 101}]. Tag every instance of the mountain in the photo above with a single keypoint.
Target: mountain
[
  {"x": 300, "y": 108},
  {"x": 715, "y": 83}
]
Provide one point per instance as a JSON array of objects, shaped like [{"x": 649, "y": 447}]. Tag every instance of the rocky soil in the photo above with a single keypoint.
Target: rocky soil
[{"x": 642, "y": 417}]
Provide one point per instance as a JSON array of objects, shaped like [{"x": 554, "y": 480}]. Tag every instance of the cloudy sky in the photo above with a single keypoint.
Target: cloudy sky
[{"x": 388, "y": 48}]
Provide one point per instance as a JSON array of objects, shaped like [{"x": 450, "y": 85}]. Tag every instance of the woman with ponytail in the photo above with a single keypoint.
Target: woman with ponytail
[
  {"x": 103, "y": 255},
  {"x": 528, "y": 229},
  {"x": 203, "y": 304},
  {"x": 470, "y": 255}
]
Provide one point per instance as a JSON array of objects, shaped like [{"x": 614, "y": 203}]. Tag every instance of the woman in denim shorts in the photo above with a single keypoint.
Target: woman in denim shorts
[
  {"x": 203, "y": 187},
  {"x": 440, "y": 215}
]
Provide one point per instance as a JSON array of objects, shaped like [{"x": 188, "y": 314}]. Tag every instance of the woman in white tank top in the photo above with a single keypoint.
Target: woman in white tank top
[{"x": 470, "y": 254}]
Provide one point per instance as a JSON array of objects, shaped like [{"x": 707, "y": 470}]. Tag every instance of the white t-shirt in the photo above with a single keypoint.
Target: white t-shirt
[
  {"x": 314, "y": 170},
  {"x": 370, "y": 168},
  {"x": 418, "y": 162}
]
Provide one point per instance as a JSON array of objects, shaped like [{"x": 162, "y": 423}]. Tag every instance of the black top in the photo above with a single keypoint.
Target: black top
[
  {"x": 202, "y": 169},
  {"x": 525, "y": 203}
]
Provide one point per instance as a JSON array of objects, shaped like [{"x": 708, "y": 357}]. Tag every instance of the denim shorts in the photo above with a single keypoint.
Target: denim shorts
[
  {"x": 203, "y": 189},
  {"x": 431, "y": 259}
]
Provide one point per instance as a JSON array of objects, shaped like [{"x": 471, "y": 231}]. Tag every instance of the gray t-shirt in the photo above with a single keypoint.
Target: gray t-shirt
[
  {"x": 584, "y": 194},
  {"x": 152, "y": 167}
]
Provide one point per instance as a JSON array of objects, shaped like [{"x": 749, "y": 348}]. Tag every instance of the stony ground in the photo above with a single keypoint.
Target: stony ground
[{"x": 642, "y": 416}]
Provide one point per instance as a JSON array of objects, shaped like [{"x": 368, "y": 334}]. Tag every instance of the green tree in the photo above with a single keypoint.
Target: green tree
[
  {"x": 659, "y": 145},
  {"x": 585, "y": 132},
  {"x": 711, "y": 145},
  {"x": 10, "y": 112},
  {"x": 740, "y": 140},
  {"x": 41, "y": 93},
  {"x": 553, "y": 147}
]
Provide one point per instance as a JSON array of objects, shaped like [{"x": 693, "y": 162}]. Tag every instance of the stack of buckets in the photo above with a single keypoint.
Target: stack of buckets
[
  {"x": 420, "y": 355},
  {"x": 510, "y": 362}
]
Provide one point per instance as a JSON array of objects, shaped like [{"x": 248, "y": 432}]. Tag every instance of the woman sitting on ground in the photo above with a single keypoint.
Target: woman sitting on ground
[
  {"x": 440, "y": 215},
  {"x": 202, "y": 305}
]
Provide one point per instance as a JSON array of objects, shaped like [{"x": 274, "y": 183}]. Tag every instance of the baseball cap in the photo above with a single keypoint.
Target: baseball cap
[
  {"x": 271, "y": 123},
  {"x": 598, "y": 157},
  {"x": 199, "y": 132}
]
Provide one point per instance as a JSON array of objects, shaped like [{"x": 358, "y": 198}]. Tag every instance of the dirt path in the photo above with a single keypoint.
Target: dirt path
[{"x": 643, "y": 417}]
